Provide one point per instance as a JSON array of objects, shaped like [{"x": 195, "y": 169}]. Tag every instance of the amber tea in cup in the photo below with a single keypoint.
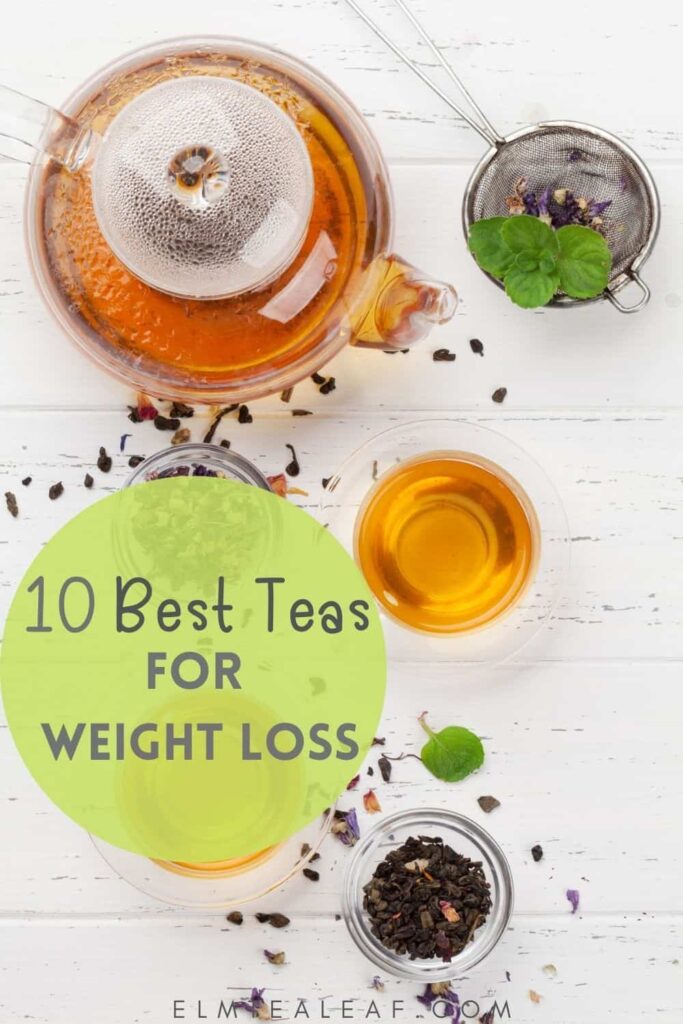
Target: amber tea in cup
[{"x": 447, "y": 541}]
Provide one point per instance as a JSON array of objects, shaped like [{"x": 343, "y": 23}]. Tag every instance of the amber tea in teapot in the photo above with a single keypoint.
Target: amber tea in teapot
[{"x": 219, "y": 224}]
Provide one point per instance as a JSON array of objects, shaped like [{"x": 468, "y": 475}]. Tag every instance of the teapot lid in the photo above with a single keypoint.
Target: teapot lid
[{"x": 203, "y": 187}]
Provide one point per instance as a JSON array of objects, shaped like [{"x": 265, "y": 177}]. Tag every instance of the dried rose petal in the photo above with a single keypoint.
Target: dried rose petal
[
  {"x": 371, "y": 803},
  {"x": 278, "y": 484},
  {"x": 449, "y": 911},
  {"x": 354, "y": 782}
]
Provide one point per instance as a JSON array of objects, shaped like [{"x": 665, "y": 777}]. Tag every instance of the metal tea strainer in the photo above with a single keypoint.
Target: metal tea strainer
[{"x": 554, "y": 155}]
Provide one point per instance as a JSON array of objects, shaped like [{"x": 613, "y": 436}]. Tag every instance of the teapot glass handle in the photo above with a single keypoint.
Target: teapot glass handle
[{"x": 28, "y": 126}]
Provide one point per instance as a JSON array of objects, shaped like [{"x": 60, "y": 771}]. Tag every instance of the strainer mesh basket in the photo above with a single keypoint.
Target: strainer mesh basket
[{"x": 589, "y": 164}]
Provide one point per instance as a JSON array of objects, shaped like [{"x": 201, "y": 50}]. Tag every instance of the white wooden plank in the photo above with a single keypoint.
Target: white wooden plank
[
  {"x": 589, "y": 357},
  {"x": 585, "y": 760},
  {"x": 609, "y": 969},
  {"x": 520, "y": 66}
]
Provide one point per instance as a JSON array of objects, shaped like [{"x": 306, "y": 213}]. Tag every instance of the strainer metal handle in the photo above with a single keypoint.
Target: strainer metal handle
[
  {"x": 476, "y": 119},
  {"x": 635, "y": 277}
]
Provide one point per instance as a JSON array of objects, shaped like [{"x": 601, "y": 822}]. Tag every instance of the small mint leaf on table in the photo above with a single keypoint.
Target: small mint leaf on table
[
  {"x": 584, "y": 262},
  {"x": 531, "y": 288},
  {"x": 529, "y": 235},
  {"x": 488, "y": 248},
  {"x": 452, "y": 753}
]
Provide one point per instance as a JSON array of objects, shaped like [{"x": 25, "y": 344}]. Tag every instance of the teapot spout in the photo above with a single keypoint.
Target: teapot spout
[
  {"x": 403, "y": 306},
  {"x": 28, "y": 126}
]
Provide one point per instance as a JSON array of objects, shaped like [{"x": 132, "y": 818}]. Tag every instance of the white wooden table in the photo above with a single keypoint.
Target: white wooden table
[{"x": 583, "y": 734}]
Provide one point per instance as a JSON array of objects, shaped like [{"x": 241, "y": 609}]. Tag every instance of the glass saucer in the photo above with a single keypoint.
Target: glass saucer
[
  {"x": 502, "y": 637},
  {"x": 221, "y": 884}
]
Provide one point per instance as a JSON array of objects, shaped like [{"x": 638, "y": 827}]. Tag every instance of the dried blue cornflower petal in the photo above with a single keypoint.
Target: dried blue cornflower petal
[
  {"x": 255, "y": 1005},
  {"x": 122, "y": 442},
  {"x": 574, "y": 156},
  {"x": 596, "y": 209},
  {"x": 573, "y": 896},
  {"x": 377, "y": 983}
]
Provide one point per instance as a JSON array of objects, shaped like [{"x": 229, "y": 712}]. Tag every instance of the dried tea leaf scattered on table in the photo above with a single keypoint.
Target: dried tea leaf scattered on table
[
  {"x": 292, "y": 468},
  {"x": 385, "y": 766},
  {"x": 56, "y": 491},
  {"x": 88, "y": 481},
  {"x": 488, "y": 803},
  {"x": 244, "y": 416},
  {"x": 135, "y": 460},
  {"x": 537, "y": 852},
  {"x": 27, "y": 480},
  {"x": 311, "y": 874},
  {"x": 329, "y": 385},
  {"x": 209, "y": 435},
  {"x": 499, "y": 394},
  {"x": 181, "y": 411},
  {"x": 443, "y": 355},
  {"x": 476, "y": 346},
  {"x": 104, "y": 462},
  {"x": 301, "y": 412},
  {"x": 286, "y": 395},
  {"x": 12, "y": 507},
  {"x": 166, "y": 422},
  {"x": 235, "y": 917},
  {"x": 317, "y": 378},
  {"x": 274, "y": 920},
  {"x": 181, "y": 436}
]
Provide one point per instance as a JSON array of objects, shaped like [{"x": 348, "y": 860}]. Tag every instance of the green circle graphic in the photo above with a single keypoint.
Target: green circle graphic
[{"x": 193, "y": 669}]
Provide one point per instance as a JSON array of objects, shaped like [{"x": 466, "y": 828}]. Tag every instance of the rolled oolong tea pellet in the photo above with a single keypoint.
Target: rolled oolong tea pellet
[{"x": 426, "y": 900}]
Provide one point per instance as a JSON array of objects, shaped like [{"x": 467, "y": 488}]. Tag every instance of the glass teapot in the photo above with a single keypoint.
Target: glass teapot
[{"x": 211, "y": 220}]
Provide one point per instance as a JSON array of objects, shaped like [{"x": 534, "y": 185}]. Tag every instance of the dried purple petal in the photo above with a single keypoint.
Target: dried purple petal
[
  {"x": 596, "y": 209},
  {"x": 122, "y": 441},
  {"x": 274, "y": 958},
  {"x": 377, "y": 983},
  {"x": 574, "y": 156},
  {"x": 252, "y": 1005},
  {"x": 345, "y": 827},
  {"x": 573, "y": 897},
  {"x": 354, "y": 782}
]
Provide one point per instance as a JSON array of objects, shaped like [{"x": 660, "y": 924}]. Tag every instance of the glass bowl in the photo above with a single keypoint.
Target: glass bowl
[
  {"x": 218, "y": 885},
  {"x": 183, "y": 459},
  {"x": 347, "y": 493},
  {"x": 465, "y": 837}
]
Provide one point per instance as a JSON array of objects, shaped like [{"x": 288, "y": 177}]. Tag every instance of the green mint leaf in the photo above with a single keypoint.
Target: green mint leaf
[
  {"x": 530, "y": 288},
  {"x": 486, "y": 245},
  {"x": 452, "y": 753},
  {"x": 525, "y": 234},
  {"x": 584, "y": 263}
]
